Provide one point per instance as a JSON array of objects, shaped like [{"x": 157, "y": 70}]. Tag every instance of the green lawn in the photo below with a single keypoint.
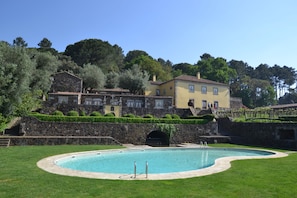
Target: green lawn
[{"x": 20, "y": 177}]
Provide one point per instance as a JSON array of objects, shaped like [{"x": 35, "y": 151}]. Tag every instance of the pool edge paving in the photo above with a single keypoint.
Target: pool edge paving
[{"x": 48, "y": 164}]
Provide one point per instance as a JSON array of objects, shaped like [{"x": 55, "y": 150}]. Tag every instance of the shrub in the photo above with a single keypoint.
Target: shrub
[
  {"x": 3, "y": 123},
  {"x": 166, "y": 128},
  {"x": 109, "y": 115},
  {"x": 209, "y": 117},
  {"x": 82, "y": 113},
  {"x": 72, "y": 113},
  {"x": 288, "y": 118},
  {"x": 129, "y": 115},
  {"x": 58, "y": 113},
  {"x": 148, "y": 116},
  {"x": 167, "y": 116},
  {"x": 175, "y": 116},
  {"x": 96, "y": 113}
]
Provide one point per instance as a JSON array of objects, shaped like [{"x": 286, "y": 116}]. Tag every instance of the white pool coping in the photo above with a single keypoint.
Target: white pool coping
[{"x": 48, "y": 164}]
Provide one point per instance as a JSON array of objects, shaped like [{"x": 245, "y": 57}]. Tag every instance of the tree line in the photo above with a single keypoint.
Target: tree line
[{"x": 25, "y": 73}]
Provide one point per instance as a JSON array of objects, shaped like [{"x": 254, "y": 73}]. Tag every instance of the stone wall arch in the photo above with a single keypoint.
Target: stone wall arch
[{"x": 157, "y": 138}]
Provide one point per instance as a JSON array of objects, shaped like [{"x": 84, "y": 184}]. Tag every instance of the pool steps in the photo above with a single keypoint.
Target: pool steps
[{"x": 146, "y": 169}]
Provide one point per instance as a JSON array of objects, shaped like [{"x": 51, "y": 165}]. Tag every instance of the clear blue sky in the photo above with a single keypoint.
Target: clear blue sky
[{"x": 254, "y": 31}]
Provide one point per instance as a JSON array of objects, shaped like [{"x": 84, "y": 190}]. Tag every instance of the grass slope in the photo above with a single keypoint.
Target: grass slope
[{"x": 20, "y": 177}]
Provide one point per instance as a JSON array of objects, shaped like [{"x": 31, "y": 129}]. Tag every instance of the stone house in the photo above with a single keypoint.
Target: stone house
[
  {"x": 66, "y": 94},
  {"x": 66, "y": 82},
  {"x": 108, "y": 103}
]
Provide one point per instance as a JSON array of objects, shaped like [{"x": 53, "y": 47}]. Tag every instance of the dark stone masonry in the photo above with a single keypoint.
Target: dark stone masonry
[
  {"x": 272, "y": 135},
  {"x": 124, "y": 133}
]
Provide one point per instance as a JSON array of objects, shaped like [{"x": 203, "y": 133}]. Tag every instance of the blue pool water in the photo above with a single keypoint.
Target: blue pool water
[{"x": 156, "y": 160}]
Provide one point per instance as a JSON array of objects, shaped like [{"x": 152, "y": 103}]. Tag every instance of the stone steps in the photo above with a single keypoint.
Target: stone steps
[
  {"x": 193, "y": 111},
  {"x": 4, "y": 142},
  {"x": 61, "y": 140}
]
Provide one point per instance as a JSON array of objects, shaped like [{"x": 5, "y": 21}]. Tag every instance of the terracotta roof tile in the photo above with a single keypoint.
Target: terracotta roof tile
[
  {"x": 155, "y": 82},
  {"x": 195, "y": 79},
  {"x": 68, "y": 73}
]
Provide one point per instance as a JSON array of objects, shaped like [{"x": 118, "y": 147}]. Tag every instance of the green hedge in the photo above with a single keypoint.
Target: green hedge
[
  {"x": 52, "y": 118},
  {"x": 206, "y": 116},
  {"x": 288, "y": 118}
]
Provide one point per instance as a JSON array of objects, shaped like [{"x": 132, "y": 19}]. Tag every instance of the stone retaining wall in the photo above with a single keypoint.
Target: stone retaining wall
[
  {"x": 125, "y": 133},
  {"x": 59, "y": 140},
  {"x": 274, "y": 135}
]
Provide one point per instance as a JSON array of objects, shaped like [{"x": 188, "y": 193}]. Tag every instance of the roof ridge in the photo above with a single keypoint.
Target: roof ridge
[{"x": 195, "y": 79}]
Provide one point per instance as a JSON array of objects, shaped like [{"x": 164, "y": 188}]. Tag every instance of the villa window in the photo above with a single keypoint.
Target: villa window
[
  {"x": 159, "y": 104},
  {"x": 88, "y": 101},
  {"x": 215, "y": 91},
  {"x": 191, "y": 88},
  {"x": 157, "y": 92},
  {"x": 93, "y": 101},
  {"x": 138, "y": 103},
  {"x": 62, "y": 99},
  {"x": 134, "y": 103},
  {"x": 97, "y": 101},
  {"x": 204, "y": 90},
  {"x": 204, "y": 104},
  {"x": 130, "y": 103},
  {"x": 216, "y": 104}
]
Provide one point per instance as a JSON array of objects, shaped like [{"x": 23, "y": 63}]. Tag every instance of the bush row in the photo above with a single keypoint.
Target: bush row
[
  {"x": 96, "y": 113},
  {"x": 127, "y": 119},
  {"x": 288, "y": 118}
]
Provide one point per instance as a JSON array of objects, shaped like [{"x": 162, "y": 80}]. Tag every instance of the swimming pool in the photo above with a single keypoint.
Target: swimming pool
[{"x": 152, "y": 163}]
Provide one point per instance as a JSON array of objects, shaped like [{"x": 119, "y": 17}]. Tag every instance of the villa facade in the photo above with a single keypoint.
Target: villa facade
[{"x": 199, "y": 93}]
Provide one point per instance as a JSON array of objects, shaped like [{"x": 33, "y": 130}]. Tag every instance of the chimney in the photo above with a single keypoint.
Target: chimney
[
  {"x": 154, "y": 78},
  {"x": 198, "y": 75}
]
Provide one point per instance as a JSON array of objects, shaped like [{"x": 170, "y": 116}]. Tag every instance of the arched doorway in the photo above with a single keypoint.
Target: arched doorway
[{"x": 157, "y": 138}]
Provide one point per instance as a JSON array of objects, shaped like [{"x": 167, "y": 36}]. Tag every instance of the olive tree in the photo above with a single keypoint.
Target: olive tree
[
  {"x": 134, "y": 79},
  {"x": 93, "y": 77}
]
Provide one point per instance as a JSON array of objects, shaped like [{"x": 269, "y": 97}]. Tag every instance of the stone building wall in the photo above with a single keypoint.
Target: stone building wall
[
  {"x": 66, "y": 82},
  {"x": 236, "y": 103},
  {"x": 147, "y": 104}
]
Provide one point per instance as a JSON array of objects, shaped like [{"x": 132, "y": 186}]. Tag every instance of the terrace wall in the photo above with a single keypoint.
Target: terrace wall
[
  {"x": 125, "y": 133},
  {"x": 274, "y": 135}
]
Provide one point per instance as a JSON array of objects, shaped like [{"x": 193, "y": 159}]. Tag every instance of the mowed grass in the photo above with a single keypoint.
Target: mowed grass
[{"x": 20, "y": 177}]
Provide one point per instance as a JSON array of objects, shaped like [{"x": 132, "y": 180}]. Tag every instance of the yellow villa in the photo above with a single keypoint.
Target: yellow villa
[{"x": 192, "y": 91}]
